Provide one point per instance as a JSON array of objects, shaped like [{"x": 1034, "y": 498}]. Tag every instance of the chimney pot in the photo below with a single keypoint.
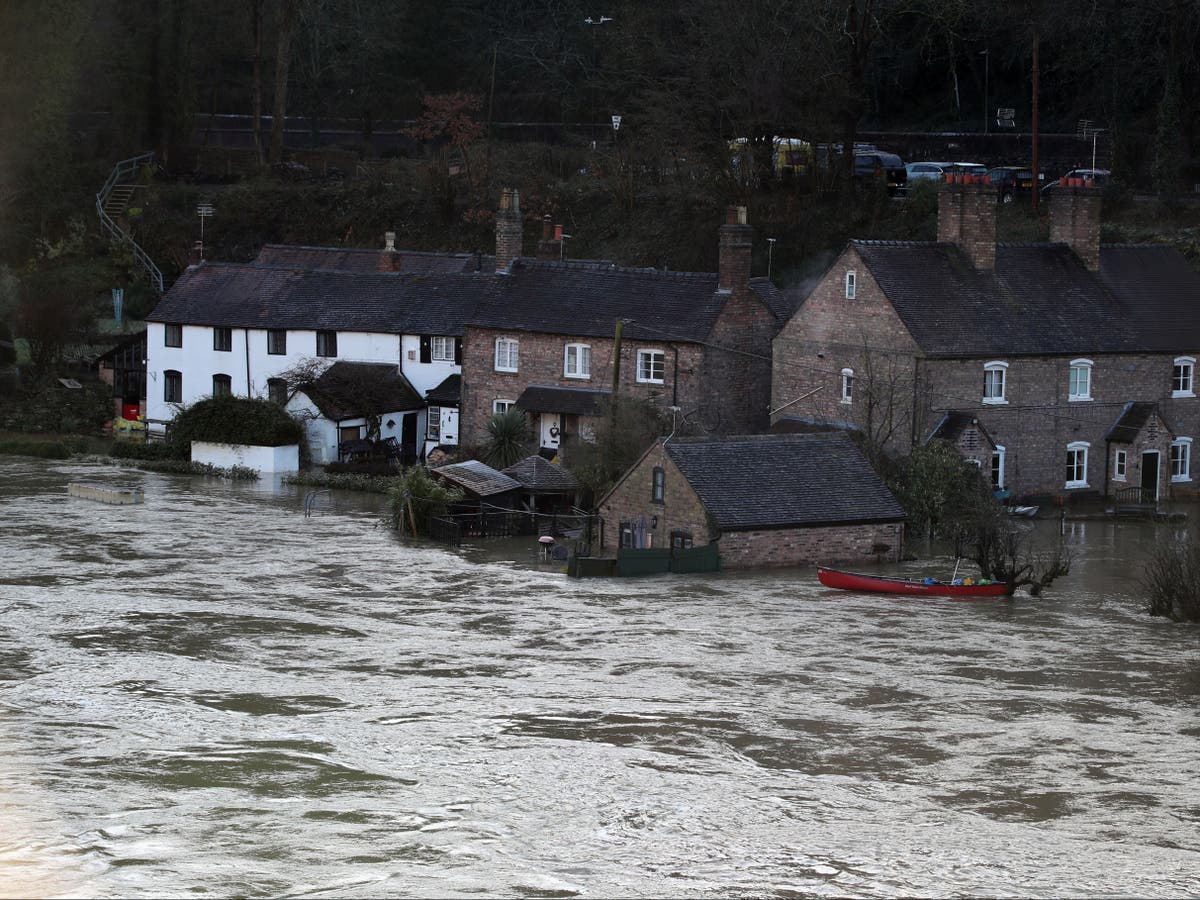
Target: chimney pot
[
  {"x": 508, "y": 229},
  {"x": 735, "y": 215},
  {"x": 389, "y": 240},
  {"x": 558, "y": 232},
  {"x": 547, "y": 228}
]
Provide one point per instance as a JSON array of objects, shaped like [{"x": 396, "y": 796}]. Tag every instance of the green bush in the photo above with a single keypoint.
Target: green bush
[
  {"x": 369, "y": 484},
  {"x": 1172, "y": 581},
  {"x": 417, "y": 496},
  {"x": 41, "y": 449},
  {"x": 233, "y": 420}
]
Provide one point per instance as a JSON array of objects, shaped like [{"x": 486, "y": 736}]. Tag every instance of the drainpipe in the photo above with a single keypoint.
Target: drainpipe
[
  {"x": 246, "y": 334},
  {"x": 1107, "y": 457}
]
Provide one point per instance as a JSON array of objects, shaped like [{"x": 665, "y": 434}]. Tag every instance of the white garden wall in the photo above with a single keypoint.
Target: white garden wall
[{"x": 264, "y": 459}]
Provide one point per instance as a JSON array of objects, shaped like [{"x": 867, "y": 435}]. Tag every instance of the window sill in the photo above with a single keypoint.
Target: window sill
[
  {"x": 1176, "y": 395},
  {"x": 587, "y": 377},
  {"x": 1087, "y": 399},
  {"x": 846, "y": 402},
  {"x": 1075, "y": 485},
  {"x": 1180, "y": 479},
  {"x": 1120, "y": 478},
  {"x": 650, "y": 381},
  {"x": 995, "y": 401},
  {"x": 506, "y": 371}
]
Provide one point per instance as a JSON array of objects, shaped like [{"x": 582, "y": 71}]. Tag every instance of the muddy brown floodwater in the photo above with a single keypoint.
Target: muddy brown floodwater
[{"x": 212, "y": 694}]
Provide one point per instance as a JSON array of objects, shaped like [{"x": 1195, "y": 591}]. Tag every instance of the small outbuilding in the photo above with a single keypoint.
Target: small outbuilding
[
  {"x": 547, "y": 487},
  {"x": 765, "y": 500},
  {"x": 484, "y": 489}
]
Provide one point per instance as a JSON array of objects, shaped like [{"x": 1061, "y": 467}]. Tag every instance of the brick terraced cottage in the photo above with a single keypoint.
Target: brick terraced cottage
[
  {"x": 1043, "y": 347},
  {"x": 765, "y": 500},
  {"x": 543, "y": 338}
]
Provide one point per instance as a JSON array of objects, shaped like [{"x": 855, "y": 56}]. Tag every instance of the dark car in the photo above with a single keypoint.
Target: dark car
[
  {"x": 1011, "y": 182},
  {"x": 885, "y": 167}
]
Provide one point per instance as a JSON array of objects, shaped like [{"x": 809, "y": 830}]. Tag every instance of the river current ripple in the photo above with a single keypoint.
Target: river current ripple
[{"x": 211, "y": 693}]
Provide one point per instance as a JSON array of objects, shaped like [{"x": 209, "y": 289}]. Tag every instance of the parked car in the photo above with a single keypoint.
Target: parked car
[
  {"x": 1100, "y": 177},
  {"x": 878, "y": 164},
  {"x": 968, "y": 168},
  {"x": 926, "y": 171},
  {"x": 1011, "y": 182}
]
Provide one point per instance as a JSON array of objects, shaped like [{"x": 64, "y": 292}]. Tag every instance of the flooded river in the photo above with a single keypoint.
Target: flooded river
[{"x": 212, "y": 694}]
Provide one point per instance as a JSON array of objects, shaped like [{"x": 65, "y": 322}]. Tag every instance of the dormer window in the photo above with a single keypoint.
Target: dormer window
[
  {"x": 995, "y": 374},
  {"x": 1079, "y": 384},
  {"x": 847, "y": 386},
  {"x": 851, "y": 284},
  {"x": 1183, "y": 377}
]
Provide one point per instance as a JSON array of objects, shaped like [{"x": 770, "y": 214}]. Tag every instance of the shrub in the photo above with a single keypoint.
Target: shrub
[
  {"x": 131, "y": 450},
  {"x": 371, "y": 484},
  {"x": 417, "y": 496},
  {"x": 233, "y": 420},
  {"x": 1172, "y": 581}
]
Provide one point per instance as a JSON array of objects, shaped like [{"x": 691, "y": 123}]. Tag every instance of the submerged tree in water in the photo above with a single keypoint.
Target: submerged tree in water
[{"x": 1172, "y": 582}]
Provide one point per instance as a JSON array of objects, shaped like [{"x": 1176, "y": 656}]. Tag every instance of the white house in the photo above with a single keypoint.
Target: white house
[{"x": 245, "y": 329}]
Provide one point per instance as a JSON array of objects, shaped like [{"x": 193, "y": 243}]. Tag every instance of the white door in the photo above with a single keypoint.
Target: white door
[
  {"x": 551, "y": 429},
  {"x": 449, "y": 425}
]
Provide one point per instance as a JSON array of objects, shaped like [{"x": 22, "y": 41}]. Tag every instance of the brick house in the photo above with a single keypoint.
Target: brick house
[
  {"x": 1043, "y": 346},
  {"x": 766, "y": 500},
  {"x": 543, "y": 338}
]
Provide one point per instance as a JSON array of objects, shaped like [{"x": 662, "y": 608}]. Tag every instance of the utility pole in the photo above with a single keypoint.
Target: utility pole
[
  {"x": 617, "y": 358},
  {"x": 1037, "y": 187}
]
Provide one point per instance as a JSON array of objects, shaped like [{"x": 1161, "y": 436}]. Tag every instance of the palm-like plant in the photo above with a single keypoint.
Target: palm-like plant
[{"x": 509, "y": 438}]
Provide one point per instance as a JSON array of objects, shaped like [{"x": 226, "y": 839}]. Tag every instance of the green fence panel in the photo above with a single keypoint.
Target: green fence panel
[
  {"x": 697, "y": 559},
  {"x": 591, "y": 567},
  {"x": 650, "y": 561}
]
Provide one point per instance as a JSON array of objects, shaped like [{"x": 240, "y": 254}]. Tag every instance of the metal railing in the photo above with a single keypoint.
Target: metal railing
[{"x": 121, "y": 171}]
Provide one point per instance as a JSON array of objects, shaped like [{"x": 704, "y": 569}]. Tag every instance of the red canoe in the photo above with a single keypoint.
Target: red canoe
[{"x": 879, "y": 584}]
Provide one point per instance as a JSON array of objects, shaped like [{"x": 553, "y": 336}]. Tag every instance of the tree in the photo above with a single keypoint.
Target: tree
[
  {"x": 56, "y": 309},
  {"x": 289, "y": 14},
  {"x": 620, "y": 437},
  {"x": 449, "y": 121},
  {"x": 418, "y": 496},
  {"x": 509, "y": 438},
  {"x": 1171, "y": 578}
]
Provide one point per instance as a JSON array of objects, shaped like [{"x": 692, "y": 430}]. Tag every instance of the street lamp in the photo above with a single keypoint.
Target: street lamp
[
  {"x": 1086, "y": 130},
  {"x": 770, "y": 254}
]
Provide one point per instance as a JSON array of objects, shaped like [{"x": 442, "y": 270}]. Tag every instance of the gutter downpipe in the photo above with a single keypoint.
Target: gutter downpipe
[{"x": 246, "y": 335}]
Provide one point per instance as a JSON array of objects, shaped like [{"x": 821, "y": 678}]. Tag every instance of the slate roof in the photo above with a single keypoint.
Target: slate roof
[
  {"x": 541, "y": 476},
  {"x": 255, "y": 296},
  {"x": 448, "y": 393},
  {"x": 1040, "y": 300},
  {"x": 1132, "y": 420},
  {"x": 1158, "y": 291},
  {"x": 574, "y": 401},
  {"x": 581, "y": 299},
  {"x": 351, "y": 259},
  {"x": 784, "y": 480},
  {"x": 343, "y": 390},
  {"x": 953, "y": 423},
  {"x": 478, "y": 479}
]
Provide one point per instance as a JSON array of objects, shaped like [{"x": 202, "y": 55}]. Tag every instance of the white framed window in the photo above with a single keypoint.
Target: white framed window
[
  {"x": 1079, "y": 382},
  {"x": 1120, "y": 465},
  {"x": 433, "y": 423},
  {"x": 1183, "y": 377},
  {"x": 851, "y": 284},
  {"x": 995, "y": 377},
  {"x": 847, "y": 385},
  {"x": 506, "y": 354},
  {"x": 1077, "y": 460},
  {"x": 651, "y": 364},
  {"x": 503, "y": 406},
  {"x": 577, "y": 361},
  {"x": 998, "y": 455},
  {"x": 442, "y": 349},
  {"x": 1181, "y": 459},
  {"x": 172, "y": 386}
]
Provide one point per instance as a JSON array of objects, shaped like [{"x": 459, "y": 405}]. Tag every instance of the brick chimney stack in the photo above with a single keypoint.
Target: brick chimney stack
[
  {"x": 737, "y": 240},
  {"x": 967, "y": 218},
  {"x": 551, "y": 245},
  {"x": 508, "y": 229},
  {"x": 1075, "y": 219}
]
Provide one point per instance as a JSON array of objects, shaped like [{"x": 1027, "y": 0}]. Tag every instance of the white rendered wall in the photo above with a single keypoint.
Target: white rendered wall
[
  {"x": 197, "y": 361},
  {"x": 264, "y": 459},
  {"x": 424, "y": 377}
]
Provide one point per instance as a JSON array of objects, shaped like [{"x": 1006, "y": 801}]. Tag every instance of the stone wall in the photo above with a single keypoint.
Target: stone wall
[
  {"x": 540, "y": 361},
  {"x": 680, "y": 509},
  {"x": 832, "y": 332},
  {"x": 811, "y": 546},
  {"x": 1038, "y": 421}
]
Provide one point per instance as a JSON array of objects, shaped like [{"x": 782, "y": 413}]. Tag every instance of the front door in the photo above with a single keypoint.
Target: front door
[
  {"x": 1150, "y": 474},
  {"x": 408, "y": 439},
  {"x": 551, "y": 430}
]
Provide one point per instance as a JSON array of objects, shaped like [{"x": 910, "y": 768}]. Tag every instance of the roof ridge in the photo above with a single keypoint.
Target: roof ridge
[
  {"x": 455, "y": 254},
  {"x": 887, "y": 243},
  {"x": 610, "y": 268}
]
